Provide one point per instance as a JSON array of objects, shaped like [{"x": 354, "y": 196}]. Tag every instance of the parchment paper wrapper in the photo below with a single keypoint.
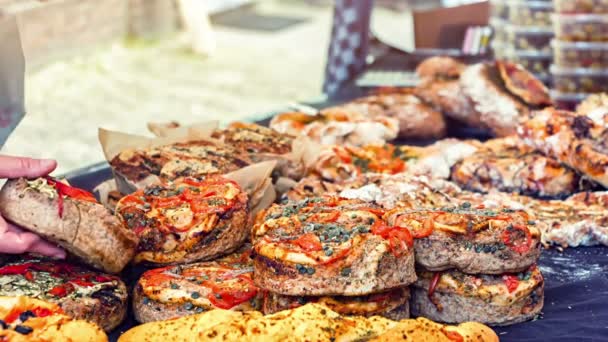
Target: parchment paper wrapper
[
  {"x": 287, "y": 165},
  {"x": 307, "y": 152},
  {"x": 12, "y": 74},
  {"x": 253, "y": 179}
]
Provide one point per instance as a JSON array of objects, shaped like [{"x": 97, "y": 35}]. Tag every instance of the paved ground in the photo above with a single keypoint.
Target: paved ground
[{"x": 128, "y": 84}]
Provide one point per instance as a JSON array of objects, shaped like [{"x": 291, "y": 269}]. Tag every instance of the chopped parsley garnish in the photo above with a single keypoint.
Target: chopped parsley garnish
[
  {"x": 345, "y": 272},
  {"x": 174, "y": 286},
  {"x": 195, "y": 295}
]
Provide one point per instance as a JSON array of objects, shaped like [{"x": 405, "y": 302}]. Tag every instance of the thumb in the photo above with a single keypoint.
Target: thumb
[{"x": 15, "y": 167}]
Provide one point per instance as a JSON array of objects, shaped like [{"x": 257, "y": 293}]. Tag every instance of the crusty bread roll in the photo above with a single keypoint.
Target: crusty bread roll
[{"x": 83, "y": 227}]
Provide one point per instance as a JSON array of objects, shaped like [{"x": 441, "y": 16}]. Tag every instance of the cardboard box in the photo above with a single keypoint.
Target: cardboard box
[{"x": 444, "y": 28}]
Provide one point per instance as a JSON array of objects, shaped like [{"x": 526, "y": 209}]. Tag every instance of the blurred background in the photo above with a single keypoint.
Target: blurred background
[{"x": 118, "y": 64}]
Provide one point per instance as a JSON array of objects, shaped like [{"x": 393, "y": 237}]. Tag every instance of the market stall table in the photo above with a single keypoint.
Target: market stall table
[{"x": 576, "y": 279}]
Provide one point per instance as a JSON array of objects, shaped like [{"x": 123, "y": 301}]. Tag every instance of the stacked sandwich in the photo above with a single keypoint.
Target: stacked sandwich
[
  {"x": 333, "y": 251},
  {"x": 474, "y": 264}
]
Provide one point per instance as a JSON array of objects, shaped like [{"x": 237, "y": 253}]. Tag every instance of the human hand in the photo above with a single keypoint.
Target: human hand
[{"x": 14, "y": 240}]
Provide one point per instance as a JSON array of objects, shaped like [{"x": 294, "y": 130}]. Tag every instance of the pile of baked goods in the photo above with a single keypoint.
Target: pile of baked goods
[{"x": 320, "y": 218}]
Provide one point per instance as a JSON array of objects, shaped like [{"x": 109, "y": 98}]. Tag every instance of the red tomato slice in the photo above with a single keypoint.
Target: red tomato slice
[
  {"x": 343, "y": 154},
  {"x": 169, "y": 202},
  {"x": 517, "y": 246},
  {"x": 61, "y": 290},
  {"x": 336, "y": 256},
  {"x": 453, "y": 336},
  {"x": 308, "y": 242},
  {"x": 511, "y": 281},
  {"x": 230, "y": 293},
  {"x": 16, "y": 269},
  {"x": 326, "y": 217}
]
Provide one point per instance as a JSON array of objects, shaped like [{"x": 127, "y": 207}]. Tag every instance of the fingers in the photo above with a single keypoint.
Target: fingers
[
  {"x": 15, "y": 167},
  {"x": 13, "y": 240}
]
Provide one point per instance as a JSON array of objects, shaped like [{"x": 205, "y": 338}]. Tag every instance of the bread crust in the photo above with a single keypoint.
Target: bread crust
[
  {"x": 87, "y": 230},
  {"x": 457, "y": 305},
  {"x": 473, "y": 241}
]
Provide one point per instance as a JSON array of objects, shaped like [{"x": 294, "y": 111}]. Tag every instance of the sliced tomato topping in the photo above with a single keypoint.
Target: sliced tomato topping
[
  {"x": 167, "y": 202},
  {"x": 61, "y": 290},
  {"x": 12, "y": 316},
  {"x": 511, "y": 281},
  {"x": 132, "y": 200},
  {"x": 519, "y": 244},
  {"x": 427, "y": 228},
  {"x": 29, "y": 276},
  {"x": 400, "y": 239},
  {"x": 340, "y": 254},
  {"x": 325, "y": 217},
  {"x": 453, "y": 336},
  {"x": 16, "y": 269},
  {"x": 433, "y": 284},
  {"x": 376, "y": 211},
  {"x": 230, "y": 293},
  {"x": 308, "y": 242},
  {"x": 68, "y": 191},
  {"x": 103, "y": 279}
]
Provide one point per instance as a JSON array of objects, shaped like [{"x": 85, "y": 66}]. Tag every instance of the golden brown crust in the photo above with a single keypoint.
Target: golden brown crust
[
  {"x": 500, "y": 110},
  {"x": 310, "y": 322},
  {"x": 88, "y": 230}
]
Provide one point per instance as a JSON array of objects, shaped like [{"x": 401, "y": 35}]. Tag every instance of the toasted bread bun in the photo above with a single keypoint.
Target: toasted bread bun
[
  {"x": 73, "y": 220},
  {"x": 455, "y": 297},
  {"x": 311, "y": 322},
  {"x": 29, "y": 319}
]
